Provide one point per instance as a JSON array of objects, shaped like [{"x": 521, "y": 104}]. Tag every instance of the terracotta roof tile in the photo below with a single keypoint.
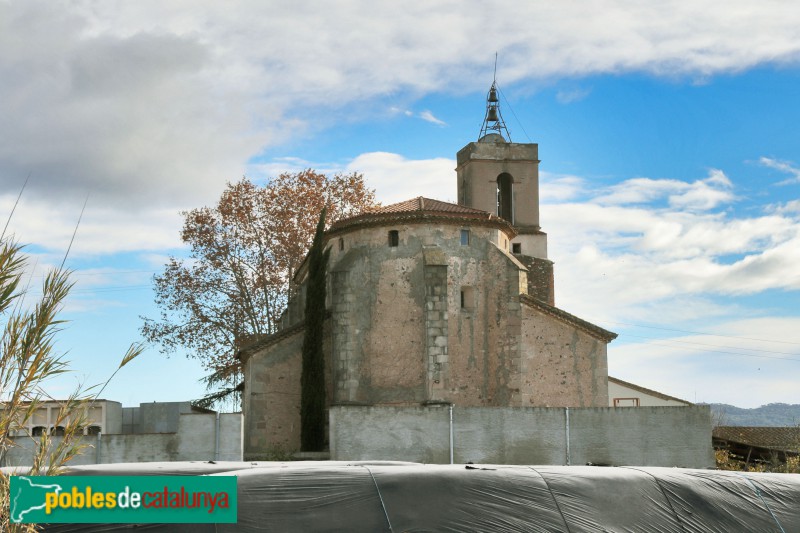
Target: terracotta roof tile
[
  {"x": 777, "y": 438},
  {"x": 422, "y": 209},
  {"x": 428, "y": 204}
]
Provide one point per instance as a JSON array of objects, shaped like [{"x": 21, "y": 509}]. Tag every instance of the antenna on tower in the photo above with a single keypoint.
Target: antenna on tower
[{"x": 493, "y": 120}]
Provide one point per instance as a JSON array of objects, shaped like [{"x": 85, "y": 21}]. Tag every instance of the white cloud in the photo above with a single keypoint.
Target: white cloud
[
  {"x": 705, "y": 194},
  {"x": 744, "y": 362},
  {"x": 393, "y": 177},
  {"x": 784, "y": 166},
  {"x": 263, "y": 172},
  {"x": 427, "y": 116},
  {"x": 396, "y": 110},
  {"x": 568, "y": 96},
  {"x": 120, "y": 117},
  {"x": 702, "y": 194},
  {"x": 396, "y": 178},
  {"x": 666, "y": 248},
  {"x": 143, "y": 103},
  {"x": 559, "y": 188},
  {"x": 788, "y": 208},
  {"x": 103, "y": 229},
  {"x": 640, "y": 190}
]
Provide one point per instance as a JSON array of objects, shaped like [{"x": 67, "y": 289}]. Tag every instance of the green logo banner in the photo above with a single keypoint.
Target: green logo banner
[{"x": 123, "y": 499}]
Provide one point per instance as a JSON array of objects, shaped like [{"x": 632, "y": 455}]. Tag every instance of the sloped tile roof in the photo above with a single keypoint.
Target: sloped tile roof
[
  {"x": 421, "y": 203},
  {"x": 422, "y": 209},
  {"x": 776, "y": 438}
]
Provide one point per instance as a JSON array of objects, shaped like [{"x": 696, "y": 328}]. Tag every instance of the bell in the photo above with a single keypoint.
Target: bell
[
  {"x": 493, "y": 95},
  {"x": 491, "y": 116}
]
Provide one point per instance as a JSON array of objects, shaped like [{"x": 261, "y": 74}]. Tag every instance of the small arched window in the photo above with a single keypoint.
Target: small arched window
[{"x": 505, "y": 207}]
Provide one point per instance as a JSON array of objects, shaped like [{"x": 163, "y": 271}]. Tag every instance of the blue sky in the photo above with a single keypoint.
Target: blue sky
[{"x": 670, "y": 170}]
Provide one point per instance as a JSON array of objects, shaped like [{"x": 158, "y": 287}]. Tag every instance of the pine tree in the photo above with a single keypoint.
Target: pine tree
[{"x": 312, "y": 381}]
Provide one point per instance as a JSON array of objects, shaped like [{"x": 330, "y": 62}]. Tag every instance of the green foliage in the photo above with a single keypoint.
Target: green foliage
[{"x": 312, "y": 404}]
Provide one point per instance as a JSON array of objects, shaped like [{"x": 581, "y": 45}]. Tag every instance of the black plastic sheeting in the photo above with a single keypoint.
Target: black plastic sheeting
[{"x": 409, "y": 497}]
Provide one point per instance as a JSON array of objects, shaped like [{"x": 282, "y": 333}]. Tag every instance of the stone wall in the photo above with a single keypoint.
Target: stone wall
[
  {"x": 541, "y": 283},
  {"x": 562, "y": 365},
  {"x": 271, "y": 400},
  {"x": 440, "y": 317},
  {"x": 436, "y": 321},
  {"x": 645, "y": 436}
]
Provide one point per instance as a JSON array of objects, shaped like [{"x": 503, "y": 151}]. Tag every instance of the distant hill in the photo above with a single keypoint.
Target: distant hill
[{"x": 774, "y": 414}]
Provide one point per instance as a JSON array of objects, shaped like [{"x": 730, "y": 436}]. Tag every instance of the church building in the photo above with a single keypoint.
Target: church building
[{"x": 431, "y": 302}]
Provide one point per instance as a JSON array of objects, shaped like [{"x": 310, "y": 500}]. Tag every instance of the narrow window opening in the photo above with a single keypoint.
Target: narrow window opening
[
  {"x": 341, "y": 244},
  {"x": 516, "y": 247},
  {"x": 464, "y": 237},
  {"x": 394, "y": 238},
  {"x": 505, "y": 209},
  {"x": 467, "y": 298}
]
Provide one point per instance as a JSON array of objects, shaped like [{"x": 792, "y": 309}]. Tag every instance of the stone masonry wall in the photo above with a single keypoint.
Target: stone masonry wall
[
  {"x": 562, "y": 365},
  {"x": 272, "y": 397},
  {"x": 541, "y": 284},
  {"x": 484, "y": 338},
  {"x": 343, "y": 305},
  {"x": 436, "y": 327}
]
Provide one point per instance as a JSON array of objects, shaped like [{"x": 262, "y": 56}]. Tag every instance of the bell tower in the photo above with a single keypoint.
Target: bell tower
[{"x": 502, "y": 177}]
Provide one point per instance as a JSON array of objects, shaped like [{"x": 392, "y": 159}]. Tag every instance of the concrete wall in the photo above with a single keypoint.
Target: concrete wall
[
  {"x": 648, "y": 436},
  {"x": 162, "y": 417},
  {"x": 101, "y": 415},
  {"x": 194, "y": 440}
]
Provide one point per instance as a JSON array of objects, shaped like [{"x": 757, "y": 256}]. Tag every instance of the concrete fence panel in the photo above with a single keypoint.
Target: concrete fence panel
[
  {"x": 644, "y": 436},
  {"x": 200, "y": 437}
]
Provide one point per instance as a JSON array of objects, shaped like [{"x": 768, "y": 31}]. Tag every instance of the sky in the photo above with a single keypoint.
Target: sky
[{"x": 667, "y": 132}]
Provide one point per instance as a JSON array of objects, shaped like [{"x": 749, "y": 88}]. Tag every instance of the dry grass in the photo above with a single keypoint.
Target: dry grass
[
  {"x": 27, "y": 360},
  {"x": 725, "y": 461}
]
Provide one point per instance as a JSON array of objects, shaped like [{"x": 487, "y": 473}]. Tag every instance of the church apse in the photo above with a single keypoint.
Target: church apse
[{"x": 438, "y": 303}]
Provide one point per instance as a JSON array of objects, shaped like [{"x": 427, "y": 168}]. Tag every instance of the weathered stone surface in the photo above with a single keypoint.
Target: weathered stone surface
[{"x": 444, "y": 316}]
